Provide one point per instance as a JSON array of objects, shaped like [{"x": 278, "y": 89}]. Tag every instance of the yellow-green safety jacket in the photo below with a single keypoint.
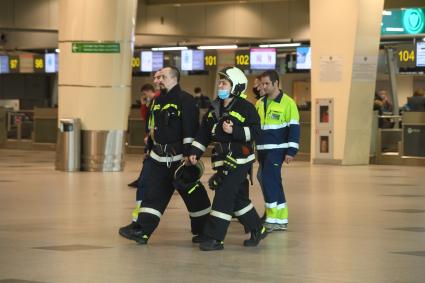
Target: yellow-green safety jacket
[{"x": 280, "y": 124}]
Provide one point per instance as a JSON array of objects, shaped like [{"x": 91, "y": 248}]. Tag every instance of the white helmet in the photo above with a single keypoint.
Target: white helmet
[{"x": 236, "y": 77}]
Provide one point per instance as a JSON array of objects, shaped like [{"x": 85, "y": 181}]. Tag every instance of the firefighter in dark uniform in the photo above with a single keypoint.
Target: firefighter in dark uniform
[
  {"x": 232, "y": 124},
  {"x": 173, "y": 124},
  {"x": 127, "y": 231}
]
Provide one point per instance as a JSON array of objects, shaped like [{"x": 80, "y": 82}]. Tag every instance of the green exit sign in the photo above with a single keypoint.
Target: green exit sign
[
  {"x": 95, "y": 47},
  {"x": 403, "y": 21}
]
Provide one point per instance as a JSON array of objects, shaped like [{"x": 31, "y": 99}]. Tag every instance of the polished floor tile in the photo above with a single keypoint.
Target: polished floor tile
[
  {"x": 410, "y": 229},
  {"x": 347, "y": 224},
  {"x": 67, "y": 248},
  {"x": 18, "y": 281}
]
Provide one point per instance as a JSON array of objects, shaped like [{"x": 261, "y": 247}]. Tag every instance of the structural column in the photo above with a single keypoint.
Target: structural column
[
  {"x": 345, "y": 39},
  {"x": 96, "y": 40}
]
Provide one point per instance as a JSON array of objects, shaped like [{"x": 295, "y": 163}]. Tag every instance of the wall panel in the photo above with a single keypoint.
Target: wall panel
[
  {"x": 248, "y": 20},
  {"x": 275, "y": 20},
  {"x": 160, "y": 20},
  {"x": 32, "y": 14},
  {"x": 6, "y": 13},
  {"x": 220, "y": 20},
  {"x": 191, "y": 19}
]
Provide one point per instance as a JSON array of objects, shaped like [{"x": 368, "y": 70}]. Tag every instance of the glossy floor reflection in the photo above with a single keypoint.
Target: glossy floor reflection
[{"x": 347, "y": 224}]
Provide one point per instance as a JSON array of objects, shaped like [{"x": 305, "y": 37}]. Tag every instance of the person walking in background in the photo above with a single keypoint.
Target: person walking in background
[{"x": 277, "y": 142}]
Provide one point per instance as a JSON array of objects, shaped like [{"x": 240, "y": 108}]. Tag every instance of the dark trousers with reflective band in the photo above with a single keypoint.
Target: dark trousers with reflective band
[
  {"x": 157, "y": 194},
  {"x": 270, "y": 176},
  {"x": 142, "y": 180},
  {"x": 230, "y": 199}
]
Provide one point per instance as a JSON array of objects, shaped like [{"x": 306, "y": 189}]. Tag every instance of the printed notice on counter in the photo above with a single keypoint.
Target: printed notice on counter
[
  {"x": 330, "y": 68},
  {"x": 365, "y": 68}
]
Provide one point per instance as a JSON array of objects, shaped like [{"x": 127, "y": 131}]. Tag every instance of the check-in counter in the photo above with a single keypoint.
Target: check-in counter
[
  {"x": 413, "y": 137},
  {"x": 45, "y": 125}
]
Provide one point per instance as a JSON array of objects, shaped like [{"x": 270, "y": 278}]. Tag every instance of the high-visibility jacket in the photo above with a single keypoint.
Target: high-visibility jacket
[{"x": 280, "y": 124}]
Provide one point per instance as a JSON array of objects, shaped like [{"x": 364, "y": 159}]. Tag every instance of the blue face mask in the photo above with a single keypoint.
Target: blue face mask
[{"x": 223, "y": 93}]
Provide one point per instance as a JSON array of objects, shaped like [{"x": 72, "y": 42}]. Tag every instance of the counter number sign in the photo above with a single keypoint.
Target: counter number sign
[
  {"x": 135, "y": 62},
  {"x": 14, "y": 64},
  {"x": 406, "y": 56},
  {"x": 210, "y": 59},
  {"x": 38, "y": 63},
  {"x": 242, "y": 59}
]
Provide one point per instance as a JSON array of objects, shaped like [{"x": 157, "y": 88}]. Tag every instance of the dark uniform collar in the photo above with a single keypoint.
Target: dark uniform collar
[
  {"x": 176, "y": 89},
  {"x": 277, "y": 99}
]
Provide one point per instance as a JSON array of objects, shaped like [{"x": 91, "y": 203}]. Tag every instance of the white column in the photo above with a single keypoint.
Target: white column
[
  {"x": 345, "y": 39},
  {"x": 95, "y": 85}
]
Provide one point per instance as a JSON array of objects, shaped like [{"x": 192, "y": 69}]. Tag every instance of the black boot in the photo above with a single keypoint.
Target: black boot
[
  {"x": 211, "y": 245},
  {"x": 128, "y": 231},
  {"x": 199, "y": 239},
  {"x": 256, "y": 237},
  {"x": 140, "y": 237}
]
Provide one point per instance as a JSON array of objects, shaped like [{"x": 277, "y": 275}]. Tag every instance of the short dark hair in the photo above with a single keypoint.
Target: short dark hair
[
  {"x": 197, "y": 89},
  {"x": 174, "y": 72},
  {"x": 147, "y": 87},
  {"x": 272, "y": 75}
]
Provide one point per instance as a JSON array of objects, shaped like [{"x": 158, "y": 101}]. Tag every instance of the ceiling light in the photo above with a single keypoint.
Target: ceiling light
[
  {"x": 170, "y": 48},
  {"x": 218, "y": 47},
  {"x": 281, "y": 45}
]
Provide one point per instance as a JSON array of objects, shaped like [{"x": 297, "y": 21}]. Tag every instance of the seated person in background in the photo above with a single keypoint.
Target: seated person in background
[
  {"x": 387, "y": 105},
  {"x": 417, "y": 101},
  {"x": 377, "y": 103},
  {"x": 384, "y": 106}
]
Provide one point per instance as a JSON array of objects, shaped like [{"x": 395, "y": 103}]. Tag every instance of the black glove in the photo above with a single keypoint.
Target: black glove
[{"x": 216, "y": 180}]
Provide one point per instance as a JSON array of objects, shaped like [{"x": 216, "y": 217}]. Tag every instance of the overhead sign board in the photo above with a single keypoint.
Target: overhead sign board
[
  {"x": 4, "y": 64},
  {"x": 151, "y": 61},
  {"x": 403, "y": 21},
  {"x": 51, "y": 62},
  {"x": 96, "y": 47},
  {"x": 420, "y": 54}
]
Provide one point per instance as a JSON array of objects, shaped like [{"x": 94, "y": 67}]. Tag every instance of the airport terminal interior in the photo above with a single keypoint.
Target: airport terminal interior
[{"x": 73, "y": 132}]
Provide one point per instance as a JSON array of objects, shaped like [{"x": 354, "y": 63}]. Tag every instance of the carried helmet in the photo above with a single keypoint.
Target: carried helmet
[
  {"x": 237, "y": 78},
  {"x": 187, "y": 177}
]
